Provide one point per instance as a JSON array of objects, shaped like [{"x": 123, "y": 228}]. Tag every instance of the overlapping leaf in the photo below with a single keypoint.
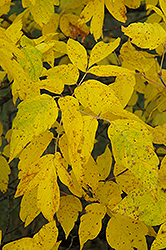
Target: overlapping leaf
[
  {"x": 68, "y": 212},
  {"x": 4, "y": 175},
  {"x": 146, "y": 35},
  {"x": 132, "y": 147},
  {"x": 28, "y": 207},
  {"x": 124, "y": 233},
  {"x": 90, "y": 224},
  {"x": 35, "y": 115}
]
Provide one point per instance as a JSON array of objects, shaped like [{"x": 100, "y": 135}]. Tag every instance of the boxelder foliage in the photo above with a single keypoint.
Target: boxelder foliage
[{"x": 67, "y": 104}]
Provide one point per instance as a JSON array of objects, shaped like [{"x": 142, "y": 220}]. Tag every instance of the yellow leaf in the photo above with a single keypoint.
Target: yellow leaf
[
  {"x": 52, "y": 25},
  {"x": 70, "y": 26},
  {"x": 68, "y": 74},
  {"x": 90, "y": 175},
  {"x": 64, "y": 176},
  {"x": 42, "y": 10},
  {"x": 5, "y": 7},
  {"x": 11, "y": 66},
  {"x": 35, "y": 115},
  {"x": 98, "y": 97},
  {"x": 162, "y": 173},
  {"x": 63, "y": 144},
  {"x": 135, "y": 60},
  {"x": 124, "y": 233},
  {"x": 82, "y": 165},
  {"x": 33, "y": 152},
  {"x": 47, "y": 236},
  {"x": 44, "y": 239},
  {"x": 95, "y": 10},
  {"x": 55, "y": 85},
  {"x": 160, "y": 240},
  {"x": 6, "y": 151},
  {"x": 48, "y": 196},
  {"x": 102, "y": 50},
  {"x": 91, "y": 222},
  {"x": 117, "y": 9},
  {"x": 137, "y": 153},
  {"x": 25, "y": 243},
  {"x": 123, "y": 88},
  {"x": 72, "y": 121},
  {"x": 134, "y": 4},
  {"x": 77, "y": 54},
  {"x": 159, "y": 134},
  {"x": 110, "y": 70},
  {"x": 104, "y": 163},
  {"x": 69, "y": 208},
  {"x": 108, "y": 193},
  {"x": 28, "y": 207},
  {"x": 14, "y": 31},
  {"x": 35, "y": 173},
  {"x": 163, "y": 6},
  {"x": 33, "y": 64},
  {"x": 7, "y": 44},
  {"x": 146, "y": 35},
  {"x": 157, "y": 10},
  {"x": 127, "y": 180},
  {"x": 5, "y": 171}
]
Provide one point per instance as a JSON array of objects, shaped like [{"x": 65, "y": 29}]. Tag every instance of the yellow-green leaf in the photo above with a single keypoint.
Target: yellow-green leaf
[
  {"x": 33, "y": 64},
  {"x": 48, "y": 196},
  {"x": 77, "y": 54},
  {"x": 140, "y": 205},
  {"x": 125, "y": 233},
  {"x": 91, "y": 222},
  {"x": 35, "y": 115},
  {"x": 5, "y": 171},
  {"x": 28, "y": 207},
  {"x": 132, "y": 147},
  {"x": 68, "y": 211},
  {"x": 146, "y": 35},
  {"x": 102, "y": 50}
]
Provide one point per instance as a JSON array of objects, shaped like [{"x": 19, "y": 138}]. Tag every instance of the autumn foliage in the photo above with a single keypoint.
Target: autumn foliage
[{"x": 74, "y": 85}]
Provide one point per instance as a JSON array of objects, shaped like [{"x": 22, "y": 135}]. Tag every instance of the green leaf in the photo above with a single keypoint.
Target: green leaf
[{"x": 33, "y": 64}]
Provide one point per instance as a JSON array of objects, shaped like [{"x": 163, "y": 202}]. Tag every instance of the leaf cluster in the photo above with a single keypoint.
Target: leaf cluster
[{"x": 73, "y": 86}]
